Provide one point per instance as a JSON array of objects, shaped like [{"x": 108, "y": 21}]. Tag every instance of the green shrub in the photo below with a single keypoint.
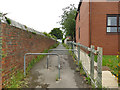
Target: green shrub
[
  {"x": 88, "y": 80},
  {"x": 63, "y": 40},
  {"x": 25, "y": 26},
  {"x": 34, "y": 33},
  {"x": 8, "y": 20},
  {"x": 49, "y": 36}
]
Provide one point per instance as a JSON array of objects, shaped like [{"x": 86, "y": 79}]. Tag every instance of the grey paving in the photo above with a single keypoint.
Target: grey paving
[{"x": 41, "y": 77}]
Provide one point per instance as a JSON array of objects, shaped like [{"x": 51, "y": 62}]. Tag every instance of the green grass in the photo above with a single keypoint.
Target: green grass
[
  {"x": 57, "y": 78},
  {"x": 66, "y": 46},
  {"x": 111, "y": 61}
]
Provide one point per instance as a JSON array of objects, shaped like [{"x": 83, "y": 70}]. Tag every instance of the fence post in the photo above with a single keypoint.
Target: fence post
[
  {"x": 92, "y": 63},
  {"x": 99, "y": 67},
  {"x": 78, "y": 52},
  {"x": 73, "y": 47}
]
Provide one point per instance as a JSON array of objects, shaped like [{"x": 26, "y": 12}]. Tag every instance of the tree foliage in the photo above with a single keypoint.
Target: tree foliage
[
  {"x": 57, "y": 32},
  {"x": 68, "y": 20}
]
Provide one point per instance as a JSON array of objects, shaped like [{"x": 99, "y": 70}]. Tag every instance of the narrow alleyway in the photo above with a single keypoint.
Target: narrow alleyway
[{"x": 41, "y": 77}]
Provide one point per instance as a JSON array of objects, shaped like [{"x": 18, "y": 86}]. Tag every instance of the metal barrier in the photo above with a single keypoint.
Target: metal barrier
[
  {"x": 43, "y": 54},
  {"x": 93, "y": 52}
]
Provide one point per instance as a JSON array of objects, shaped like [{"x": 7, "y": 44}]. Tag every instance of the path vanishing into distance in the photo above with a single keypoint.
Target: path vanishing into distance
[{"x": 41, "y": 77}]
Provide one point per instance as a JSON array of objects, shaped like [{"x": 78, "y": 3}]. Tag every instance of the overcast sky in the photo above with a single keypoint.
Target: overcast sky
[{"x": 41, "y": 15}]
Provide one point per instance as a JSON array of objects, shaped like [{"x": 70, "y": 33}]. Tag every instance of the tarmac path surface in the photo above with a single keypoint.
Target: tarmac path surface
[{"x": 41, "y": 77}]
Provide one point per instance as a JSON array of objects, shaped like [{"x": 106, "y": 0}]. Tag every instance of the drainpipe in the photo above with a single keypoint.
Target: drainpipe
[
  {"x": 119, "y": 45},
  {"x": 90, "y": 22},
  {"x": 118, "y": 34}
]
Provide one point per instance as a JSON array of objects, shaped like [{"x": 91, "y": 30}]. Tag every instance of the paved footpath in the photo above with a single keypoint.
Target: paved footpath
[{"x": 41, "y": 77}]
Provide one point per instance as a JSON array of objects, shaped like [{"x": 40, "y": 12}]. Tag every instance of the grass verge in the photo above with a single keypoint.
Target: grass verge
[{"x": 110, "y": 61}]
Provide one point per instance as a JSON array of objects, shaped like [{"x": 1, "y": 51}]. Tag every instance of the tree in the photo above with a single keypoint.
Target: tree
[
  {"x": 68, "y": 20},
  {"x": 57, "y": 32}
]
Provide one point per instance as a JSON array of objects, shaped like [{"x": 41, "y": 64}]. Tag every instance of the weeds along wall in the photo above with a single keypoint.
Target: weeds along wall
[{"x": 15, "y": 43}]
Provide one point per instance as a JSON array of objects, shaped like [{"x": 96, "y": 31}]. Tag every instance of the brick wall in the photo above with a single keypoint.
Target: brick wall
[
  {"x": 95, "y": 20},
  {"x": 15, "y": 43},
  {"x": 83, "y": 24},
  {"x": 119, "y": 35},
  {"x": 99, "y": 36}
]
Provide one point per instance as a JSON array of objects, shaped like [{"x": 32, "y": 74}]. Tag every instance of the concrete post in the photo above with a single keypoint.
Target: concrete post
[
  {"x": 92, "y": 63},
  {"x": 78, "y": 53},
  {"x": 99, "y": 67}
]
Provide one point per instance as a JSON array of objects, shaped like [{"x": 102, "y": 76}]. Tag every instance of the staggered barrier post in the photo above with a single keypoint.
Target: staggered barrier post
[{"x": 42, "y": 54}]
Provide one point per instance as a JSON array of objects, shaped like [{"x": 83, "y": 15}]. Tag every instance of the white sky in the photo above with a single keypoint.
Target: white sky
[{"x": 41, "y": 15}]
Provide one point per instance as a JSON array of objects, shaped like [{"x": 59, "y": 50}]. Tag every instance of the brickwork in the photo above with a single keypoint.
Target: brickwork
[
  {"x": 119, "y": 35},
  {"x": 0, "y": 57},
  {"x": 99, "y": 36},
  {"x": 17, "y": 42},
  {"x": 83, "y": 24},
  {"x": 93, "y": 26}
]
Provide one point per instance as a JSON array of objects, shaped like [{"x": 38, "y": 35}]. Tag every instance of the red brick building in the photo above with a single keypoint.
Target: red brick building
[{"x": 98, "y": 23}]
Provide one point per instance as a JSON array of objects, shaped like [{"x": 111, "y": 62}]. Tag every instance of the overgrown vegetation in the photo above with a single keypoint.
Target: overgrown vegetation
[
  {"x": 49, "y": 36},
  {"x": 3, "y": 15},
  {"x": 66, "y": 46},
  {"x": 8, "y": 20},
  {"x": 17, "y": 79},
  {"x": 25, "y": 26},
  {"x": 79, "y": 67},
  {"x": 34, "y": 33}
]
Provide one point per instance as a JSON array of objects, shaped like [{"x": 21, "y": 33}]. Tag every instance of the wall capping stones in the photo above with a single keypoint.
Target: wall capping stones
[{"x": 21, "y": 26}]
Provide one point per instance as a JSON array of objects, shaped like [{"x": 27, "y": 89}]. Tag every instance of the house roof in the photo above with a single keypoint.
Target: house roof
[{"x": 78, "y": 8}]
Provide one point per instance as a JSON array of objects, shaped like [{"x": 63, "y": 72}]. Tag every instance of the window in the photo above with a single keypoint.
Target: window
[
  {"x": 79, "y": 33},
  {"x": 119, "y": 24},
  {"x": 113, "y": 23}
]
